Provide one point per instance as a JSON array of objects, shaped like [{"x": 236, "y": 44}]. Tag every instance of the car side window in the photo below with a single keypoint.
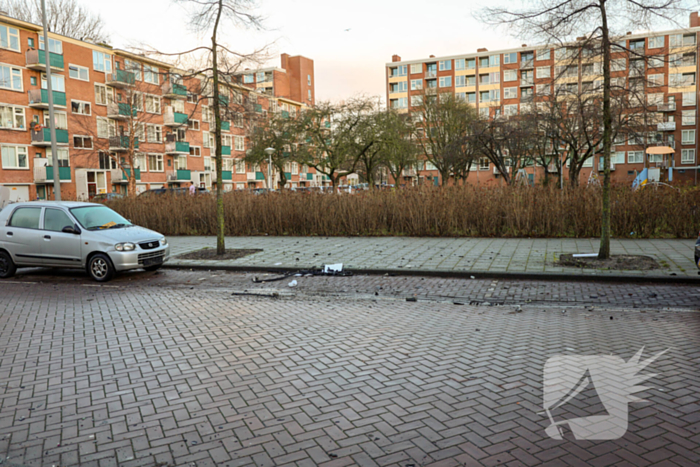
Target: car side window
[
  {"x": 55, "y": 220},
  {"x": 27, "y": 218}
]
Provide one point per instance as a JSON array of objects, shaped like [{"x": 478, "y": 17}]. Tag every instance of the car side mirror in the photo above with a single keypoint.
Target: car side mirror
[{"x": 71, "y": 229}]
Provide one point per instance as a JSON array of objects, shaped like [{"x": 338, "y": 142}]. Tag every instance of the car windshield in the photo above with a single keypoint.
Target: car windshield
[{"x": 99, "y": 217}]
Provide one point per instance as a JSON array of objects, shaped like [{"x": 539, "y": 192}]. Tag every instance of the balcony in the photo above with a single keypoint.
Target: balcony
[
  {"x": 526, "y": 98},
  {"x": 225, "y": 126},
  {"x": 174, "y": 91},
  {"x": 120, "y": 111},
  {"x": 43, "y": 137},
  {"x": 527, "y": 64},
  {"x": 45, "y": 174},
  {"x": 39, "y": 99},
  {"x": 670, "y": 144},
  {"x": 667, "y": 107},
  {"x": 431, "y": 74},
  {"x": 225, "y": 150},
  {"x": 527, "y": 82},
  {"x": 183, "y": 175},
  {"x": 177, "y": 148},
  {"x": 120, "y": 79},
  {"x": 259, "y": 176},
  {"x": 174, "y": 119},
  {"x": 666, "y": 126},
  {"x": 121, "y": 143},
  {"x": 118, "y": 175},
  {"x": 36, "y": 60},
  {"x": 226, "y": 175}
]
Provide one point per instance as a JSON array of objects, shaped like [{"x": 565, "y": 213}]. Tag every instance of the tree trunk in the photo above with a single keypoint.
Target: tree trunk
[
  {"x": 604, "y": 252},
  {"x": 220, "y": 232}
]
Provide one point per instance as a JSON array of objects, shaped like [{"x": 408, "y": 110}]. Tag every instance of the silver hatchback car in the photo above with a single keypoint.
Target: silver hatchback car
[{"x": 76, "y": 235}]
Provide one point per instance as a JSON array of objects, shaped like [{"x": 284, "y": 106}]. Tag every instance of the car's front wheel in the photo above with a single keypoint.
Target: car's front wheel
[
  {"x": 100, "y": 268},
  {"x": 7, "y": 266}
]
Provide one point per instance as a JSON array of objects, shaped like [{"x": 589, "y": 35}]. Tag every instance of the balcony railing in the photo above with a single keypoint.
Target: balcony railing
[
  {"x": 120, "y": 110},
  {"x": 430, "y": 74},
  {"x": 121, "y": 143},
  {"x": 36, "y": 60},
  {"x": 177, "y": 147},
  {"x": 527, "y": 64},
  {"x": 39, "y": 98},
  {"x": 45, "y": 174},
  {"x": 120, "y": 79},
  {"x": 225, "y": 126},
  {"x": 118, "y": 175},
  {"x": 226, "y": 150},
  {"x": 666, "y": 126},
  {"x": 174, "y": 119},
  {"x": 43, "y": 137},
  {"x": 527, "y": 82},
  {"x": 174, "y": 91},
  {"x": 667, "y": 107},
  {"x": 226, "y": 175}
]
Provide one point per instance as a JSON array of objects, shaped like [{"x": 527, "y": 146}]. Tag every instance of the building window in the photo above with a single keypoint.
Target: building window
[
  {"x": 155, "y": 162},
  {"x": 102, "y": 95},
  {"x": 656, "y": 42},
  {"x": 688, "y": 117},
  {"x": 689, "y": 99},
  {"x": 416, "y": 84},
  {"x": 58, "y": 83},
  {"x": 55, "y": 46},
  {"x": 510, "y": 93},
  {"x": 509, "y": 110},
  {"x": 656, "y": 80},
  {"x": 416, "y": 101},
  {"x": 682, "y": 40},
  {"x": 544, "y": 72},
  {"x": 460, "y": 81},
  {"x": 101, "y": 62},
  {"x": 195, "y": 151},
  {"x": 193, "y": 125},
  {"x": 150, "y": 74},
  {"x": 153, "y": 104},
  {"x": 688, "y": 136},
  {"x": 14, "y": 157},
  {"x": 459, "y": 64},
  {"x": 82, "y": 142},
  {"x": 446, "y": 81},
  {"x": 543, "y": 54},
  {"x": 484, "y": 163},
  {"x": 618, "y": 64},
  {"x": 10, "y": 78},
  {"x": 445, "y": 65},
  {"x": 9, "y": 38},
  {"x": 106, "y": 127},
  {"x": 416, "y": 68},
  {"x": 510, "y": 75},
  {"x": 12, "y": 117},
  {"x": 154, "y": 133},
  {"x": 687, "y": 156},
  {"x": 635, "y": 157},
  {"x": 79, "y": 72},
  {"x": 510, "y": 58},
  {"x": 239, "y": 143}
]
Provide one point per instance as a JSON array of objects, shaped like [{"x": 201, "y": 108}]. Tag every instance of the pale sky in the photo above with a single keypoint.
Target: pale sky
[{"x": 346, "y": 63}]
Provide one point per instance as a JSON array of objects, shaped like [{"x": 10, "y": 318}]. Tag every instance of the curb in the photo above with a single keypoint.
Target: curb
[{"x": 541, "y": 276}]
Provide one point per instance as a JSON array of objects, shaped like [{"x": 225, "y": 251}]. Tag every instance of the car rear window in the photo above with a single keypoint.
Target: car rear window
[{"x": 27, "y": 218}]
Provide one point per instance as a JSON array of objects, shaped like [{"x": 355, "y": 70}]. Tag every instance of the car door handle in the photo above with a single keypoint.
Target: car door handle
[
  {"x": 9, "y": 234},
  {"x": 47, "y": 237}
]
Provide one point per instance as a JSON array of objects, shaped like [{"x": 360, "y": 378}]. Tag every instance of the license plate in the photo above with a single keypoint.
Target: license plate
[{"x": 153, "y": 261}]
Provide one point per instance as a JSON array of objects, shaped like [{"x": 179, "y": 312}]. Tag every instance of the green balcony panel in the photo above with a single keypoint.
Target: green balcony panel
[
  {"x": 180, "y": 118},
  {"x": 226, "y": 175},
  {"x": 122, "y": 142},
  {"x": 59, "y": 98},
  {"x": 223, "y": 100},
  {"x": 288, "y": 175},
  {"x": 226, "y": 126},
  {"x": 259, "y": 176},
  {"x": 285, "y": 114},
  {"x": 226, "y": 150},
  {"x": 258, "y": 108},
  {"x": 125, "y": 108},
  {"x": 309, "y": 176},
  {"x": 128, "y": 174},
  {"x": 179, "y": 89},
  {"x": 183, "y": 174},
  {"x": 123, "y": 76},
  {"x": 63, "y": 173},
  {"x": 55, "y": 60},
  {"x": 61, "y": 135},
  {"x": 182, "y": 146}
]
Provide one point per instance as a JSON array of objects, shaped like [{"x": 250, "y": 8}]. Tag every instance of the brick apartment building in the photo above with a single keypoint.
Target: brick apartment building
[
  {"x": 294, "y": 80},
  {"x": 506, "y": 82},
  {"x": 176, "y": 144}
]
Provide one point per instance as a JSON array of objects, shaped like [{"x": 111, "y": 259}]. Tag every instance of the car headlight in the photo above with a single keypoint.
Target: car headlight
[
  {"x": 163, "y": 241},
  {"x": 128, "y": 246}
]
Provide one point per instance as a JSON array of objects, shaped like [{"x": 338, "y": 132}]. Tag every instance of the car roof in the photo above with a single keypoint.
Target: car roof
[{"x": 54, "y": 204}]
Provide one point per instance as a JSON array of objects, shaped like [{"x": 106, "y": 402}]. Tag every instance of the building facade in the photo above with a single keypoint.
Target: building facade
[
  {"x": 295, "y": 79},
  {"x": 509, "y": 82},
  {"x": 92, "y": 85}
]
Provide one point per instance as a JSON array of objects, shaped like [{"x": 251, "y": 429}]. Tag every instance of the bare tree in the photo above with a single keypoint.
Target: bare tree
[
  {"x": 443, "y": 131},
  {"x": 65, "y": 17},
  {"x": 399, "y": 147},
  {"x": 563, "y": 20},
  {"x": 276, "y": 131}
]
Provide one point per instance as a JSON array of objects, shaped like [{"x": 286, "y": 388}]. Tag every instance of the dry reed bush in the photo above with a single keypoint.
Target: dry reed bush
[{"x": 427, "y": 212}]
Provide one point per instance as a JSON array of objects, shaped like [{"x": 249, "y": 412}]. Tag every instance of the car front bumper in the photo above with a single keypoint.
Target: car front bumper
[{"x": 126, "y": 260}]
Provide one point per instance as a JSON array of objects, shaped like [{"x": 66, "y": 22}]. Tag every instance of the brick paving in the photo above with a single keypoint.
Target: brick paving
[
  {"x": 158, "y": 373},
  {"x": 460, "y": 255}
]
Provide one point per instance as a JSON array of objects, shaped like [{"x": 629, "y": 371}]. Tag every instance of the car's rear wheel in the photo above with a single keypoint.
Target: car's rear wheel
[
  {"x": 7, "y": 266},
  {"x": 100, "y": 268}
]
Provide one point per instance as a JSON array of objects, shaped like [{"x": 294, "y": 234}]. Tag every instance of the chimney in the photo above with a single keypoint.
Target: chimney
[
  {"x": 482, "y": 50},
  {"x": 432, "y": 56},
  {"x": 694, "y": 20},
  {"x": 395, "y": 58},
  {"x": 284, "y": 58},
  {"x": 524, "y": 45},
  {"x": 629, "y": 33}
]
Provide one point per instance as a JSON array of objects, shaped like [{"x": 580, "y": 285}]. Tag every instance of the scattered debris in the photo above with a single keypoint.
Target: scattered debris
[
  {"x": 411, "y": 299},
  {"x": 333, "y": 268},
  {"x": 294, "y": 283}
]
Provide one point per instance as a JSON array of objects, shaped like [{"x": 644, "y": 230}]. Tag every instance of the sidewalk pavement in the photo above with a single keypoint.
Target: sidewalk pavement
[{"x": 514, "y": 257}]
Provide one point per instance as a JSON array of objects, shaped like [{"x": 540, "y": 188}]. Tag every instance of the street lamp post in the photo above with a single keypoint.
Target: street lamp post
[
  {"x": 269, "y": 152},
  {"x": 52, "y": 121}
]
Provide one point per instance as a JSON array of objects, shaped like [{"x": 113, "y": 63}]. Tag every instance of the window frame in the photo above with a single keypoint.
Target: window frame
[
  {"x": 82, "y": 105},
  {"x": 13, "y": 111},
  {"x": 16, "y": 148},
  {"x": 10, "y": 35},
  {"x": 79, "y": 69},
  {"x": 83, "y": 139}
]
